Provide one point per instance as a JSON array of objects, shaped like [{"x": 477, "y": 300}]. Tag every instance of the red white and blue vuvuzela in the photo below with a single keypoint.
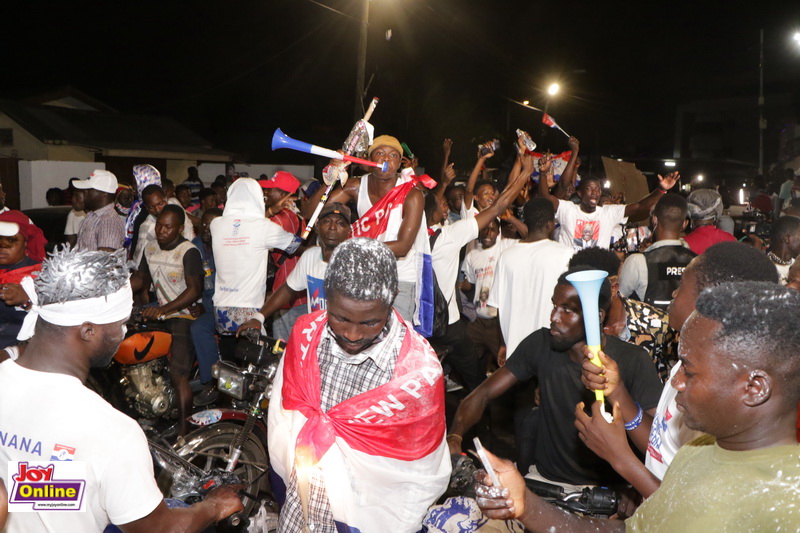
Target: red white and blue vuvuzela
[{"x": 548, "y": 120}]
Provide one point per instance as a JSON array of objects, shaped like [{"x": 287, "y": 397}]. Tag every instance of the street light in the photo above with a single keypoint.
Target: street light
[{"x": 552, "y": 90}]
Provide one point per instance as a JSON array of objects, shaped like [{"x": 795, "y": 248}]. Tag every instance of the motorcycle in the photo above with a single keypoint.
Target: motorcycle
[
  {"x": 143, "y": 368},
  {"x": 600, "y": 502},
  {"x": 231, "y": 441},
  {"x": 137, "y": 381}
]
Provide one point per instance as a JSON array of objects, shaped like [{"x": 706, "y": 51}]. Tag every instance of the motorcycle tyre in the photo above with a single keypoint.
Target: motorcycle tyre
[{"x": 219, "y": 437}]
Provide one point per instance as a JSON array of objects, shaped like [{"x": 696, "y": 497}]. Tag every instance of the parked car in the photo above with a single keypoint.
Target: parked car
[{"x": 52, "y": 221}]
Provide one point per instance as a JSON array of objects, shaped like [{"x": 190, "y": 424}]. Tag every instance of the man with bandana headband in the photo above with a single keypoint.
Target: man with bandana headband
[{"x": 80, "y": 303}]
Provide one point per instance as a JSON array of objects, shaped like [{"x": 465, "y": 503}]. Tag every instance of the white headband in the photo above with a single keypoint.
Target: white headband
[{"x": 101, "y": 310}]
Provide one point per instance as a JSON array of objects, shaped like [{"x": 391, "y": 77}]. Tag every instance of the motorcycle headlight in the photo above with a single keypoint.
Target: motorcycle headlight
[{"x": 229, "y": 380}]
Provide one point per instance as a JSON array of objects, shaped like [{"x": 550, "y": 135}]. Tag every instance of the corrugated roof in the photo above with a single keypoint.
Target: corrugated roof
[{"x": 100, "y": 129}]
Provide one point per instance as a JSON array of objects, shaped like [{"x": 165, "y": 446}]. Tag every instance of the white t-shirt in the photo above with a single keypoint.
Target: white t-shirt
[
  {"x": 60, "y": 419},
  {"x": 309, "y": 275},
  {"x": 783, "y": 272},
  {"x": 479, "y": 269},
  {"x": 445, "y": 257},
  {"x": 240, "y": 248},
  {"x": 668, "y": 432},
  {"x": 74, "y": 221},
  {"x": 522, "y": 291},
  {"x": 581, "y": 230},
  {"x": 242, "y": 238}
]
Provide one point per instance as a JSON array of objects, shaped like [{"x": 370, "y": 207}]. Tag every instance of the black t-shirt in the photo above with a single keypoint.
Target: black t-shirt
[{"x": 560, "y": 454}]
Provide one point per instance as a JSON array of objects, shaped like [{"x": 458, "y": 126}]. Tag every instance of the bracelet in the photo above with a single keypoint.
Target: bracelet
[
  {"x": 258, "y": 316},
  {"x": 456, "y": 435},
  {"x": 662, "y": 190},
  {"x": 633, "y": 424}
]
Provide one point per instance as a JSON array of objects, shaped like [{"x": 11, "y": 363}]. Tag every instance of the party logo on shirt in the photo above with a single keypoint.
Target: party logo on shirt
[
  {"x": 62, "y": 453},
  {"x": 37, "y": 486}
]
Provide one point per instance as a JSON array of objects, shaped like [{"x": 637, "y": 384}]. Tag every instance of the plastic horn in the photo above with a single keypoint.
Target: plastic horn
[
  {"x": 350, "y": 143},
  {"x": 281, "y": 140},
  {"x": 588, "y": 283}
]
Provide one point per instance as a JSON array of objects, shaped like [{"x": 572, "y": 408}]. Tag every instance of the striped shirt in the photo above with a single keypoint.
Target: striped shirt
[{"x": 102, "y": 228}]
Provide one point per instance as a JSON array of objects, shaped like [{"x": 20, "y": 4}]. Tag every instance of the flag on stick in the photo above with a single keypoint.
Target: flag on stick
[{"x": 548, "y": 120}]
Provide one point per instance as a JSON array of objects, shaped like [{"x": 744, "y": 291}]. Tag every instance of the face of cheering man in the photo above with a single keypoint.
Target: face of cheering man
[
  {"x": 155, "y": 202},
  {"x": 168, "y": 229},
  {"x": 455, "y": 197},
  {"x": 485, "y": 196},
  {"x": 332, "y": 230},
  {"x": 356, "y": 324},
  {"x": 566, "y": 319},
  {"x": 706, "y": 391},
  {"x": 590, "y": 193},
  {"x": 488, "y": 235},
  {"x": 391, "y": 156}
]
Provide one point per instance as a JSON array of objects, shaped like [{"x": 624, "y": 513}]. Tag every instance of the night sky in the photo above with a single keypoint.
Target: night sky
[{"x": 235, "y": 70}]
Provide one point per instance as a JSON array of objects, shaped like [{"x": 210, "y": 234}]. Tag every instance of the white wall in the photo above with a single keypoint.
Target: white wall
[{"x": 35, "y": 177}]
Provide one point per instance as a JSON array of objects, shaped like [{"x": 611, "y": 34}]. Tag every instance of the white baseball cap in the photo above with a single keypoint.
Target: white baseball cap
[
  {"x": 8, "y": 229},
  {"x": 101, "y": 180}
]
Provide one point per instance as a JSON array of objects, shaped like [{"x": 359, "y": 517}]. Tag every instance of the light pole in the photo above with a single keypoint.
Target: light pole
[
  {"x": 761, "y": 125},
  {"x": 362, "y": 61}
]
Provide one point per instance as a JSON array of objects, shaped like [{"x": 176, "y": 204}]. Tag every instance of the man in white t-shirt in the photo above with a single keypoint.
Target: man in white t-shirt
[
  {"x": 81, "y": 302},
  {"x": 446, "y": 243},
  {"x": 241, "y": 239},
  {"x": 75, "y": 216},
  {"x": 479, "y": 268},
  {"x": 308, "y": 276},
  {"x": 587, "y": 224},
  {"x": 526, "y": 275},
  {"x": 722, "y": 262}
]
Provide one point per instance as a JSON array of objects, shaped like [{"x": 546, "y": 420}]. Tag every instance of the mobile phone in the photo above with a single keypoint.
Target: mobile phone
[{"x": 485, "y": 460}]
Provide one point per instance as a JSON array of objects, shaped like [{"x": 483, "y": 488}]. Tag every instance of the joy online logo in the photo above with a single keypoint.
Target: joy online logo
[{"x": 35, "y": 487}]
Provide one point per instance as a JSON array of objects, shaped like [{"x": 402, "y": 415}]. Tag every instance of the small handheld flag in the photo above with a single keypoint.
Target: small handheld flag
[{"x": 548, "y": 120}]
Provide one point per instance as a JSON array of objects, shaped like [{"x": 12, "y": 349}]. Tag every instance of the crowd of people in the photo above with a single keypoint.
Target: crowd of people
[{"x": 409, "y": 288}]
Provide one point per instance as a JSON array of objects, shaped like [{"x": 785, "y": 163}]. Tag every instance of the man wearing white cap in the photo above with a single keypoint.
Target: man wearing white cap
[
  {"x": 80, "y": 303},
  {"x": 103, "y": 229}
]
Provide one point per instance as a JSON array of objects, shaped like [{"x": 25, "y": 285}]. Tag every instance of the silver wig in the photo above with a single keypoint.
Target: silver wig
[
  {"x": 69, "y": 275},
  {"x": 362, "y": 269}
]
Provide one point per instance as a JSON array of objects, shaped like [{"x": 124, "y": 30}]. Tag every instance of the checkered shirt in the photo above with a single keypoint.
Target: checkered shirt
[{"x": 342, "y": 377}]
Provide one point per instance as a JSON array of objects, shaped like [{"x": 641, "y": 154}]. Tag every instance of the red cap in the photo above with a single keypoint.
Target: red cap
[{"x": 281, "y": 180}]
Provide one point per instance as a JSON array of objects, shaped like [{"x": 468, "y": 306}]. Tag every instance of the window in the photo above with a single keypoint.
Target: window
[{"x": 6, "y": 137}]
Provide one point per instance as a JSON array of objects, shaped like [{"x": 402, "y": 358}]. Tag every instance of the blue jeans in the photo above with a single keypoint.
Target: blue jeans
[
  {"x": 282, "y": 327},
  {"x": 203, "y": 331}
]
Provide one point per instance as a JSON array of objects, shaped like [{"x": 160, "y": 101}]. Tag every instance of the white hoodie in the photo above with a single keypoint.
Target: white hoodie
[{"x": 241, "y": 239}]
